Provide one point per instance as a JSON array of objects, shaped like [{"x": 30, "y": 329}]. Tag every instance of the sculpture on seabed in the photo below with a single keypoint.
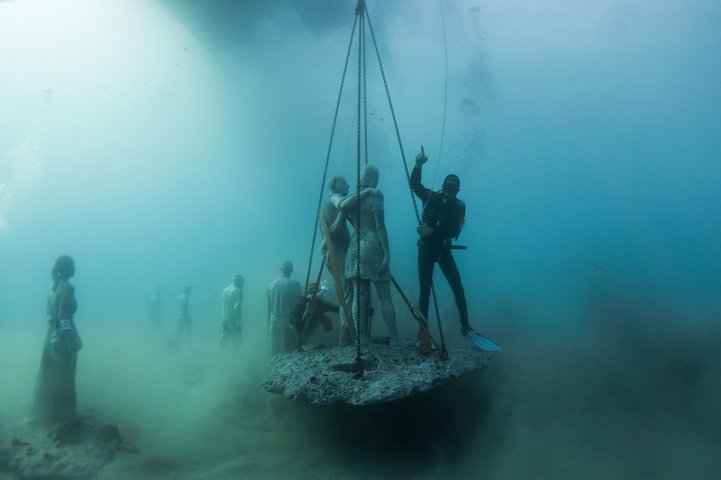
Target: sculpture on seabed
[{"x": 55, "y": 396}]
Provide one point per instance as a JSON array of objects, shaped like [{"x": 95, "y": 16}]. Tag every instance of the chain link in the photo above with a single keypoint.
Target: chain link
[
  {"x": 360, "y": 11},
  {"x": 444, "y": 353}
]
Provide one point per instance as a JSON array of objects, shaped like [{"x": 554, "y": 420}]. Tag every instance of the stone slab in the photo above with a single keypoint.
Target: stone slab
[{"x": 309, "y": 378}]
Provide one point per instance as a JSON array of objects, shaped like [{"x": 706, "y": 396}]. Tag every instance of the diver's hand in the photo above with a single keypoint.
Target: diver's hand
[
  {"x": 424, "y": 230},
  {"x": 421, "y": 159}
]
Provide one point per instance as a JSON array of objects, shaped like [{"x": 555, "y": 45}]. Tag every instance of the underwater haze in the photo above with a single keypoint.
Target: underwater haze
[{"x": 174, "y": 143}]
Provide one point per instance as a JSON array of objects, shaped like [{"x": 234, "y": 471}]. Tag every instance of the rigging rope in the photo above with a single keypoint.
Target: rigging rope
[
  {"x": 327, "y": 156},
  {"x": 443, "y": 351},
  {"x": 395, "y": 122},
  {"x": 445, "y": 93}
]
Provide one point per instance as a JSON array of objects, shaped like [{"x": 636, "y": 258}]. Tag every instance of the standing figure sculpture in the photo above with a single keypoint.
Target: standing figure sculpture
[
  {"x": 231, "y": 311},
  {"x": 373, "y": 256},
  {"x": 340, "y": 241},
  {"x": 55, "y": 397},
  {"x": 282, "y": 295},
  {"x": 185, "y": 323}
]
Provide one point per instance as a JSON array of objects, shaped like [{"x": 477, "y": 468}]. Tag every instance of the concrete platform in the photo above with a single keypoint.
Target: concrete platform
[{"x": 320, "y": 377}]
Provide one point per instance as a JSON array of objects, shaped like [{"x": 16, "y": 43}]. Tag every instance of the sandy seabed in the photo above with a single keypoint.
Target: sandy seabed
[
  {"x": 569, "y": 410},
  {"x": 197, "y": 410}
]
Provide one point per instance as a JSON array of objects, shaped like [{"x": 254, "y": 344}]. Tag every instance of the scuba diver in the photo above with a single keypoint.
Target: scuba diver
[{"x": 441, "y": 221}]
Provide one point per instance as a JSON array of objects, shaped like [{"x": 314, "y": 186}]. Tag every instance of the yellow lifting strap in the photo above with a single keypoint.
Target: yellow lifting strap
[{"x": 336, "y": 276}]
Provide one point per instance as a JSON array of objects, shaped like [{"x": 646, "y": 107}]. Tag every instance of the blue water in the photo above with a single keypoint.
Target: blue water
[{"x": 173, "y": 143}]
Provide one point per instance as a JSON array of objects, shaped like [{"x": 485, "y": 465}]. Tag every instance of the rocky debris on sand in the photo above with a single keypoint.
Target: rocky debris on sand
[
  {"x": 325, "y": 376},
  {"x": 75, "y": 448}
]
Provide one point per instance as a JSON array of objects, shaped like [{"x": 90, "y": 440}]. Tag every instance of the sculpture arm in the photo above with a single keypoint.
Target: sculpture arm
[
  {"x": 380, "y": 224},
  {"x": 347, "y": 204},
  {"x": 238, "y": 307},
  {"x": 421, "y": 191},
  {"x": 340, "y": 217}
]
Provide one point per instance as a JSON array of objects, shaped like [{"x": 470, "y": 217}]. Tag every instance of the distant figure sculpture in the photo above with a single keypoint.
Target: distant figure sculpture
[
  {"x": 231, "y": 311},
  {"x": 55, "y": 398},
  {"x": 185, "y": 323},
  {"x": 155, "y": 307},
  {"x": 374, "y": 255},
  {"x": 282, "y": 295}
]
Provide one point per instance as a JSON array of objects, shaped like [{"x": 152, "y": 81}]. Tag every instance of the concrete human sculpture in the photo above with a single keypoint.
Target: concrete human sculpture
[
  {"x": 232, "y": 311},
  {"x": 55, "y": 396},
  {"x": 371, "y": 263},
  {"x": 282, "y": 295}
]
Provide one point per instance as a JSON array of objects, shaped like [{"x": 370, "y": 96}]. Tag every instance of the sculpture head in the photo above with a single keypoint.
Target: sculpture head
[
  {"x": 187, "y": 290},
  {"x": 238, "y": 280},
  {"x": 339, "y": 185},
  {"x": 64, "y": 267},
  {"x": 287, "y": 268},
  {"x": 369, "y": 176}
]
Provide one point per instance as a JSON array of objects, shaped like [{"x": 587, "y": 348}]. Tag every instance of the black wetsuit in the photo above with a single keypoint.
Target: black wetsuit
[{"x": 445, "y": 214}]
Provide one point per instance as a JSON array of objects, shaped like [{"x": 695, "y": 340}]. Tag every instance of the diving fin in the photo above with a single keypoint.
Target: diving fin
[{"x": 481, "y": 342}]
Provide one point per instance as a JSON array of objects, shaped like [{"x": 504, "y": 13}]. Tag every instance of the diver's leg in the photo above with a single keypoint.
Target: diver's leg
[
  {"x": 450, "y": 271},
  {"x": 425, "y": 277}
]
